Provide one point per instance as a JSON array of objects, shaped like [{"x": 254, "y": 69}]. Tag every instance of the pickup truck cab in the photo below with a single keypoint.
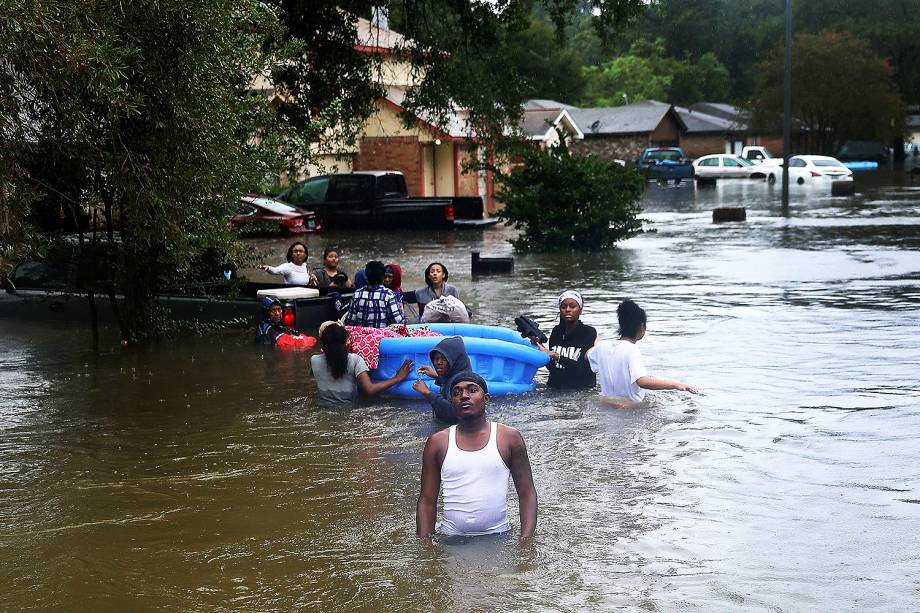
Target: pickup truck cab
[
  {"x": 666, "y": 163},
  {"x": 377, "y": 198},
  {"x": 760, "y": 155}
]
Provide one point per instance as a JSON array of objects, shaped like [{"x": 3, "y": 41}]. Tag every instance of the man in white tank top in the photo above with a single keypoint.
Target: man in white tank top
[{"x": 471, "y": 463}]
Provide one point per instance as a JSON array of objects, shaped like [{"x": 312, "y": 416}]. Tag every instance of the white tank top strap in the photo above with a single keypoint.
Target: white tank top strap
[
  {"x": 452, "y": 438},
  {"x": 493, "y": 435}
]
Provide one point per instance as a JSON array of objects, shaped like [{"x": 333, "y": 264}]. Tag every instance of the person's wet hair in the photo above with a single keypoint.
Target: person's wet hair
[
  {"x": 374, "y": 271},
  {"x": 290, "y": 253},
  {"x": 334, "y": 339},
  {"x": 428, "y": 272},
  {"x": 631, "y": 316}
]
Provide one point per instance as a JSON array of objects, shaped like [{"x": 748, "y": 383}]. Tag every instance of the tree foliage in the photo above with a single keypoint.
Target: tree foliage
[
  {"x": 646, "y": 72},
  {"x": 549, "y": 70},
  {"x": 564, "y": 201},
  {"x": 158, "y": 111},
  {"x": 840, "y": 91},
  {"x": 740, "y": 33},
  {"x": 142, "y": 101}
]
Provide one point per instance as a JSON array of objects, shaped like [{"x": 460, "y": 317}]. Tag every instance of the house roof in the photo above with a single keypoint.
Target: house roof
[
  {"x": 457, "y": 127},
  {"x": 635, "y": 118},
  {"x": 375, "y": 39},
  {"x": 702, "y": 123},
  {"x": 542, "y": 104},
  {"x": 538, "y": 124},
  {"x": 727, "y": 112}
]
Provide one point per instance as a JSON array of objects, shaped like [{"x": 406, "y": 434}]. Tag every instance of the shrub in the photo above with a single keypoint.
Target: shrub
[{"x": 565, "y": 201}]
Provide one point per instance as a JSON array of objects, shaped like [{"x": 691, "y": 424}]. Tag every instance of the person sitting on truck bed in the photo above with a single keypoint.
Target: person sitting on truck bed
[
  {"x": 295, "y": 270},
  {"x": 272, "y": 331},
  {"x": 328, "y": 275},
  {"x": 436, "y": 276},
  {"x": 374, "y": 306}
]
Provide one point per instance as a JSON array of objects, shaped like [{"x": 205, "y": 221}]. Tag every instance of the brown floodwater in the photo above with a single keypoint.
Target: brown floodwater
[{"x": 196, "y": 474}]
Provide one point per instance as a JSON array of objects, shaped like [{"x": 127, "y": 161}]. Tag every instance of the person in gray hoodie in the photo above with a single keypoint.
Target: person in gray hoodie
[{"x": 449, "y": 358}]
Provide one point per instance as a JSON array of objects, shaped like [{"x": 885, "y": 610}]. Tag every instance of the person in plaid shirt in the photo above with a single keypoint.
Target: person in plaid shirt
[{"x": 374, "y": 306}]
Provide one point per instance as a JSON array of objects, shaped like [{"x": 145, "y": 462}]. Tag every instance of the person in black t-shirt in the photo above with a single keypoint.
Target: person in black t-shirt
[{"x": 568, "y": 345}]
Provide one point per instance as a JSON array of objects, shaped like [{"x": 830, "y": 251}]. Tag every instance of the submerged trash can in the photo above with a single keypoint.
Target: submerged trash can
[
  {"x": 843, "y": 188},
  {"x": 735, "y": 213}
]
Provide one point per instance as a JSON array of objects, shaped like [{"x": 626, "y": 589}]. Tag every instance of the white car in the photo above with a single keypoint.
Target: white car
[
  {"x": 725, "y": 166},
  {"x": 812, "y": 169}
]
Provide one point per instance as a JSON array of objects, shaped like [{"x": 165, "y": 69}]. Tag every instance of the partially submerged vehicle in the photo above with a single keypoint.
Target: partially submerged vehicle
[
  {"x": 665, "y": 164},
  {"x": 36, "y": 290},
  {"x": 812, "y": 169},
  {"x": 381, "y": 198}
]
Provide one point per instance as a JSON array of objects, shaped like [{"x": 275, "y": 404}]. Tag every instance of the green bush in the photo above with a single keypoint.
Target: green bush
[{"x": 565, "y": 201}]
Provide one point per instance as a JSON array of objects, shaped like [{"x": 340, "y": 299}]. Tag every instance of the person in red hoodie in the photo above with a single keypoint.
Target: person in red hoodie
[{"x": 392, "y": 280}]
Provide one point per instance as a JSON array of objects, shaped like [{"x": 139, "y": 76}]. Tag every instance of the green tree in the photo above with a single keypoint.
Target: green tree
[
  {"x": 643, "y": 73},
  {"x": 459, "y": 51},
  {"x": 157, "y": 106},
  {"x": 703, "y": 80},
  {"x": 143, "y": 100},
  {"x": 648, "y": 73},
  {"x": 563, "y": 201},
  {"x": 549, "y": 69},
  {"x": 840, "y": 91}
]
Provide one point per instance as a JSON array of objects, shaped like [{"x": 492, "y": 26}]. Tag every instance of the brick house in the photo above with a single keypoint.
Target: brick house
[
  {"x": 431, "y": 158},
  {"x": 707, "y": 133},
  {"x": 622, "y": 132},
  {"x": 739, "y": 132}
]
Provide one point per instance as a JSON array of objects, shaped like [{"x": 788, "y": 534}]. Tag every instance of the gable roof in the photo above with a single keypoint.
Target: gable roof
[
  {"x": 736, "y": 116},
  {"x": 703, "y": 123},
  {"x": 457, "y": 128},
  {"x": 371, "y": 38},
  {"x": 539, "y": 124},
  {"x": 636, "y": 118},
  {"x": 543, "y": 104}
]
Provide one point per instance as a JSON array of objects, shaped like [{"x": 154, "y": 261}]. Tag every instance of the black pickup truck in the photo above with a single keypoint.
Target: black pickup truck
[{"x": 379, "y": 198}]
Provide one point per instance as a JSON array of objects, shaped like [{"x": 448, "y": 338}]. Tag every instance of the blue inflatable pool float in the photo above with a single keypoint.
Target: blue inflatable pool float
[
  {"x": 506, "y": 361},
  {"x": 861, "y": 165}
]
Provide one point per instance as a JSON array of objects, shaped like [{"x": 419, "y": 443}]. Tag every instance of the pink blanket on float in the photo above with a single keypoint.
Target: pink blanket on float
[{"x": 366, "y": 341}]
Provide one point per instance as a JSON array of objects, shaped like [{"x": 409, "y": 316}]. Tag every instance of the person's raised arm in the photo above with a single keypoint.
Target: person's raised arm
[
  {"x": 371, "y": 388},
  {"x": 657, "y": 383},
  {"x": 523, "y": 483},
  {"x": 426, "y": 508}
]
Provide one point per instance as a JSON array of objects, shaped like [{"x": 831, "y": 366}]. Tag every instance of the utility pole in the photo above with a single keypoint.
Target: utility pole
[{"x": 787, "y": 105}]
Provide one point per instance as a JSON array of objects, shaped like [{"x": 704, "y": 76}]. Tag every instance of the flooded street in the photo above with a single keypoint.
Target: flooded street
[{"x": 196, "y": 474}]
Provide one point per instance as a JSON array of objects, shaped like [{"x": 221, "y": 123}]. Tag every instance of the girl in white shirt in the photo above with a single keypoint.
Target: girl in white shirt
[
  {"x": 295, "y": 270},
  {"x": 619, "y": 363}
]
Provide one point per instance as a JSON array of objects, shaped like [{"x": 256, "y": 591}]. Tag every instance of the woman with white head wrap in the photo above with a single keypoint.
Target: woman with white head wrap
[{"x": 568, "y": 344}]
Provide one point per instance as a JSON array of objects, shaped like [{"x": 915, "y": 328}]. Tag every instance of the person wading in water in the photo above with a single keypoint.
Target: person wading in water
[{"x": 471, "y": 463}]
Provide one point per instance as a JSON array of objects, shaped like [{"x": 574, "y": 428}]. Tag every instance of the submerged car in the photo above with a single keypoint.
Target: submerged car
[
  {"x": 728, "y": 166},
  {"x": 864, "y": 151},
  {"x": 812, "y": 169},
  {"x": 665, "y": 163},
  {"x": 266, "y": 215}
]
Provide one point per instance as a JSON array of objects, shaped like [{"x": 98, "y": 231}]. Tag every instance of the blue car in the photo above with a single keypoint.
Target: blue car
[{"x": 666, "y": 163}]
